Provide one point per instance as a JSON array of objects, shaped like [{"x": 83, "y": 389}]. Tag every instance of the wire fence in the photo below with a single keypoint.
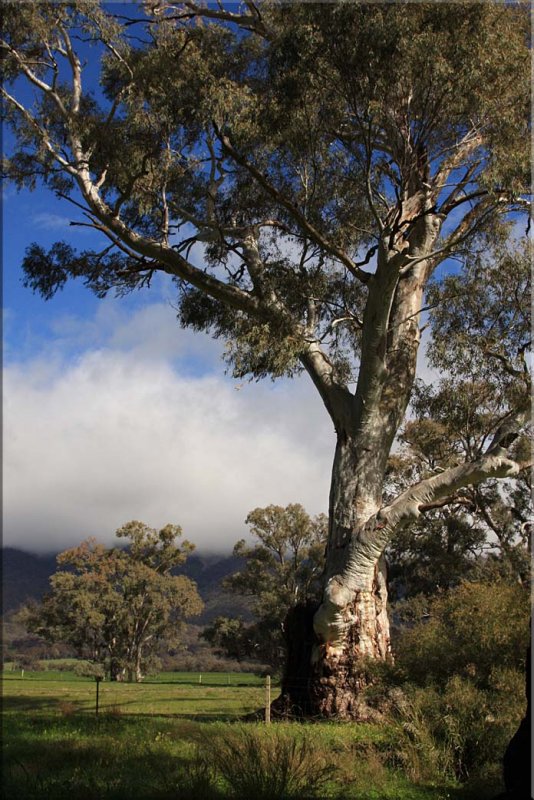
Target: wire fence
[
  {"x": 193, "y": 695},
  {"x": 197, "y": 695}
]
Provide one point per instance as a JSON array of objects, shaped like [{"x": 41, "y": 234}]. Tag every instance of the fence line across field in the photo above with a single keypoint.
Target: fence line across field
[
  {"x": 257, "y": 697},
  {"x": 207, "y": 680},
  {"x": 204, "y": 696},
  {"x": 217, "y": 695}
]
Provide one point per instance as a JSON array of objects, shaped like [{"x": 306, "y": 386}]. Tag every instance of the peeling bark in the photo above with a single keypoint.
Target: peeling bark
[{"x": 340, "y": 670}]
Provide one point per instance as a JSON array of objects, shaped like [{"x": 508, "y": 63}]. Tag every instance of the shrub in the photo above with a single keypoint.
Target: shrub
[
  {"x": 459, "y": 730},
  {"x": 28, "y": 662},
  {"x": 86, "y": 669},
  {"x": 270, "y": 765},
  {"x": 461, "y": 658},
  {"x": 470, "y": 631},
  {"x": 66, "y": 666}
]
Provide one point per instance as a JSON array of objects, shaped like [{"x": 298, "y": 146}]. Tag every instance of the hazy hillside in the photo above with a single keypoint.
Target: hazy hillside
[{"x": 25, "y": 575}]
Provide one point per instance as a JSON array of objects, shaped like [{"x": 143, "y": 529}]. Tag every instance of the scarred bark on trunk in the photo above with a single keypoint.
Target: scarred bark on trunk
[
  {"x": 325, "y": 681},
  {"x": 340, "y": 673}
]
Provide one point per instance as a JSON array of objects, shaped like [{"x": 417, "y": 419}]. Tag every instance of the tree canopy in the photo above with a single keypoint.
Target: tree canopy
[{"x": 286, "y": 139}]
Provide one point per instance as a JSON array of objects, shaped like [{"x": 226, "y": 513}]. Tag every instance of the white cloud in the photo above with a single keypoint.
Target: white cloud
[
  {"x": 150, "y": 333},
  {"x": 129, "y": 430}
]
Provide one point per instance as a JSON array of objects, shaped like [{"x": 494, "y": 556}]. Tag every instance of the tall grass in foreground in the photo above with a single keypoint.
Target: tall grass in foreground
[
  {"x": 61, "y": 757},
  {"x": 268, "y": 764},
  {"x": 184, "y": 742}
]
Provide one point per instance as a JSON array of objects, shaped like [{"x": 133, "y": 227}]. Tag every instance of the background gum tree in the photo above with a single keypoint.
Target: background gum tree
[
  {"x": 282, "y": 569},
  {"x": 329, "y": 158},
  {"x": 115, "y": 605}
]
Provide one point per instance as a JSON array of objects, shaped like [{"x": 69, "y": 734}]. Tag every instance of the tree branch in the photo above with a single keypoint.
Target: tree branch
[
  {"x": 463, "y": 150},
  {"x": 453, "y": 499},
  {"x": 337, "y": 398},
  {"x": 187, "y": 10},
  {"x": 507, "y": 364},
  {"x": 472, "y": 219},
  {"x": 301, "y": 220},
  {"x": 40, "y": 131},
  {"x": 35, "y": 80},
  {"x": 494, "y": 463}
]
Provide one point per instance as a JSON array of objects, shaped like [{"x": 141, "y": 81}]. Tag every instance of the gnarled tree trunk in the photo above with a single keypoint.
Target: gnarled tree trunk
[
  {"x": 351, "y": 624},
  {"x": 340, "y": 672},
  {"x": 329, "y": 650}
]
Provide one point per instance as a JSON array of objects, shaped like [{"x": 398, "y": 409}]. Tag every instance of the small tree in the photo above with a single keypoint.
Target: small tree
[
  {"x": 282, "y": 570},
  {"x": 234, "y": 638},
  {"x": 115, "y": 605}
]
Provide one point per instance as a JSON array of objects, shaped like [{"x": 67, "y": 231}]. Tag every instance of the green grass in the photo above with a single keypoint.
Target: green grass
[
  {"x": 151, "y": 758},
  {"x": 176, "y": 694},
  {"x": 194, "y": 678},
  {"x": 163, "y": 740}
]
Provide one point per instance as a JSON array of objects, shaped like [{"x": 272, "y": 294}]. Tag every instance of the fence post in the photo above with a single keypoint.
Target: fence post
[
  {"x": 200, "y": 677},
  {"x": 267, "y": 699},
  {"x": 97, "y": 680}
]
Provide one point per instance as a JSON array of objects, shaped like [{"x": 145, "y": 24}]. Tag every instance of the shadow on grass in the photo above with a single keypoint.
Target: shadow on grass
[
  {"x": 207, "y": 716},
  {"x": 59, "y": 758},
  {"x": 206, "y": 684},
  {"x": 85, "y": 708},
  {"x": 193, "y": 717},
  {"x": 59, "y": 771},
  {"x": 29, "y": 704}
]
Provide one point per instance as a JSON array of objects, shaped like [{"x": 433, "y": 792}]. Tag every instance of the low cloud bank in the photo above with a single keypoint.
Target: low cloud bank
[{"x": 141, "y": 423}]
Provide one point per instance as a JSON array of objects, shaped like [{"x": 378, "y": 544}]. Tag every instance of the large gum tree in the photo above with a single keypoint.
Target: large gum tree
[{"x": 326, "y": 159}]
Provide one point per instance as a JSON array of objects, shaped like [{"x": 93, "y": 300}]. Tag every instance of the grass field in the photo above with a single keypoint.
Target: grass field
[
  {"x": 178, "y": 738},
  {"x": 216, "y": 695}
]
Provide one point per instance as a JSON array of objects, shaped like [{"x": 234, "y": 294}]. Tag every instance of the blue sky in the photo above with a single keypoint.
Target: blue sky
[{"x": 112, "y": 412}]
